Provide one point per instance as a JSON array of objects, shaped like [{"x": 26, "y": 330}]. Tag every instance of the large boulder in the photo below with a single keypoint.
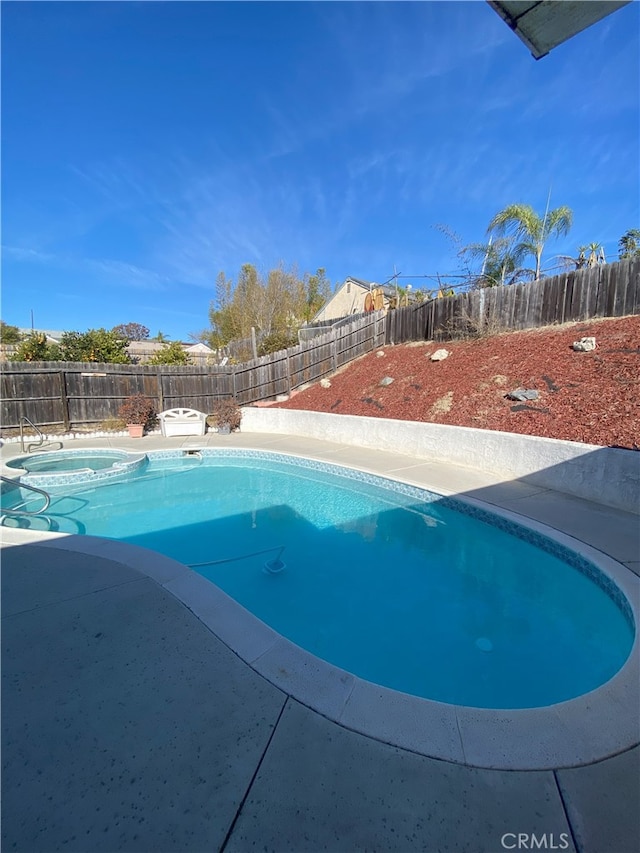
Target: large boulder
[
  {"x": 584, "y": 345},
  {"x": 440, "y": 355},
  {"x": 522, "y": 394}
]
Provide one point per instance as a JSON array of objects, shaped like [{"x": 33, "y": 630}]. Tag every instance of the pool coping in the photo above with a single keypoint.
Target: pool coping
[{"x": 580, "y": 731}]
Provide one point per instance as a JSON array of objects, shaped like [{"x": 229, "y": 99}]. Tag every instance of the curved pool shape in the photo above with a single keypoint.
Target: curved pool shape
[
  {"x": 75, "y": 467},
  {"x": 422, "y": 594}
]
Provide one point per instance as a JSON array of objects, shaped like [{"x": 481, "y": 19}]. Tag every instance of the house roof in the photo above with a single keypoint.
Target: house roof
[
  {"x": 545, "y": 24},
  {"x": 145, "y": 346},
  {"x": 199, "y": 347},
  {"x": 387, "y": 289},
  {"x": 367, "y": 285},
  {"x": 51, "y": 334}
]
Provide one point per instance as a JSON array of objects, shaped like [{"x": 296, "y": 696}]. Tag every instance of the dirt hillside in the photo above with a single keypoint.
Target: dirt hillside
[{"x": 592, "y": 397}]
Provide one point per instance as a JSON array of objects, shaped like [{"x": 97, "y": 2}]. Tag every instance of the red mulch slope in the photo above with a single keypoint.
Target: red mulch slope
[{"x": 592, "y": 397}]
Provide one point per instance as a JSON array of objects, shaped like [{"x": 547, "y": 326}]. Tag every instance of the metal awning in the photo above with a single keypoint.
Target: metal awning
[{"x": 545, "y": 24}]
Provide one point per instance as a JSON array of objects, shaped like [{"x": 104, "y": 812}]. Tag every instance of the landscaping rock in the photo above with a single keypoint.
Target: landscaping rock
[
  {"x": 522, "y": 394},
  {"x": 440, "y": 355},
  {"x": 522, "y": 407},
  {"x": 380, "y": 354},
  {"x": 373, "y": 402},
  {"x": 386, "y": 381},
  {"x": 325, "y": 383},
  {"x": 584, "y": 345}
]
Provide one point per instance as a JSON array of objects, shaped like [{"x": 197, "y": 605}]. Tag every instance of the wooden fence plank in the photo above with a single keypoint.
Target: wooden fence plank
[{"x": 632, "y": 302}]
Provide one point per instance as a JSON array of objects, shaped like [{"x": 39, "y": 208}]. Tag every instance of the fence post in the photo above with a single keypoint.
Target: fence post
[
  {"x": 381, "y": 329},
  {"x": 288, "y": 372},
  {"x": 160, "y": 394},
  {"x": 335, "y": 351},
  {"x": 64, "y": 400},
  {"x": 233, "y": 381}
]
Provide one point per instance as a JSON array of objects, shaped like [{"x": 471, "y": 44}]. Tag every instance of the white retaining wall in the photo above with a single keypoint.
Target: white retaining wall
[{"x": 604, "y": 474}]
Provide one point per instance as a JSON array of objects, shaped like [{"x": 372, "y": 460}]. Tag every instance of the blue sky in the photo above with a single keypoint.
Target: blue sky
[{"x": 148, "y": 146}]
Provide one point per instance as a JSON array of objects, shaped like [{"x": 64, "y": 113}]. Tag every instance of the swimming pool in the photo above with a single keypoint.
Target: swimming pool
[{"x": 401, "y": 587}]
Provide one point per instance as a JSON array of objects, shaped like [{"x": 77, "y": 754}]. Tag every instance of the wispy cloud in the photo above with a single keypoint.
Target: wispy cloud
[
  {"x": 192, "y": 216},
  {"x": 120, "y": 271},
  {"x": 387, "y": 76},
  {"x": 424, "y": 121}
]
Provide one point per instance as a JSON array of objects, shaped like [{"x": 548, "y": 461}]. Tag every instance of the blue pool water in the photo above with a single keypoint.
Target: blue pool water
[{"x": 392, "y": 584}]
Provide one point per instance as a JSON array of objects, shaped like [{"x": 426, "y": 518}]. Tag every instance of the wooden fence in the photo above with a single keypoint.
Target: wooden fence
[
  {"x": 611, "y": 290},
  {"x": 323, "y": 327},
  {"x": 53, "y": 393}
]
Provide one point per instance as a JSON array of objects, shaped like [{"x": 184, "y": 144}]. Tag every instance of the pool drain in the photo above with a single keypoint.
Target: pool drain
[{"x": 273, "y": 567}]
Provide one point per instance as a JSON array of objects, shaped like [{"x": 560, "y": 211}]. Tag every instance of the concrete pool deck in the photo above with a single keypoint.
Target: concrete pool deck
[{"x": 128, "y": 725}]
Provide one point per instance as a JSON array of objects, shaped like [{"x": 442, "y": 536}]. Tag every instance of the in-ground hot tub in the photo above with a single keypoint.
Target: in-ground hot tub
[{"x": 70, "y": 467}]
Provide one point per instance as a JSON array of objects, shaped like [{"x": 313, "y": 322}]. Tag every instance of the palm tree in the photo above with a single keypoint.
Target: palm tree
[
  {"x": 501, "y": 261},
  {"x": 596, "y": 254},
  {"x": 530, "y": 229},
  {"x": 629, "y": 244}
]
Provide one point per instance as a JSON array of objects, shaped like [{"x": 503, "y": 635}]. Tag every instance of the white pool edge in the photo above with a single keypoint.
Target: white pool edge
[{"x": 580, "y": 731}]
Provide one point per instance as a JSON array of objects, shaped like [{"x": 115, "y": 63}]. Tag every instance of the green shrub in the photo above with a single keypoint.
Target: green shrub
[
  {"x": 94, "y": 345},
  {"x": 172, "y": 353},
  {"x": 36, "y": 348},
  {"x": 9, "y": 334},
  {"x": 277, "y": 341}
]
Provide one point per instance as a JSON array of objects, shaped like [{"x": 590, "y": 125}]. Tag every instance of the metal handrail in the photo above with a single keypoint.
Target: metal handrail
[
  {"x": 34, "y": 444},
  {"x": 14, "y": 511},
  {"x": 24, "y": 420}
]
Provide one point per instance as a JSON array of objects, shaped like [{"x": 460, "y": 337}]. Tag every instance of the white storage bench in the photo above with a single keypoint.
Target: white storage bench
[{"x": 183, "y": 422}]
